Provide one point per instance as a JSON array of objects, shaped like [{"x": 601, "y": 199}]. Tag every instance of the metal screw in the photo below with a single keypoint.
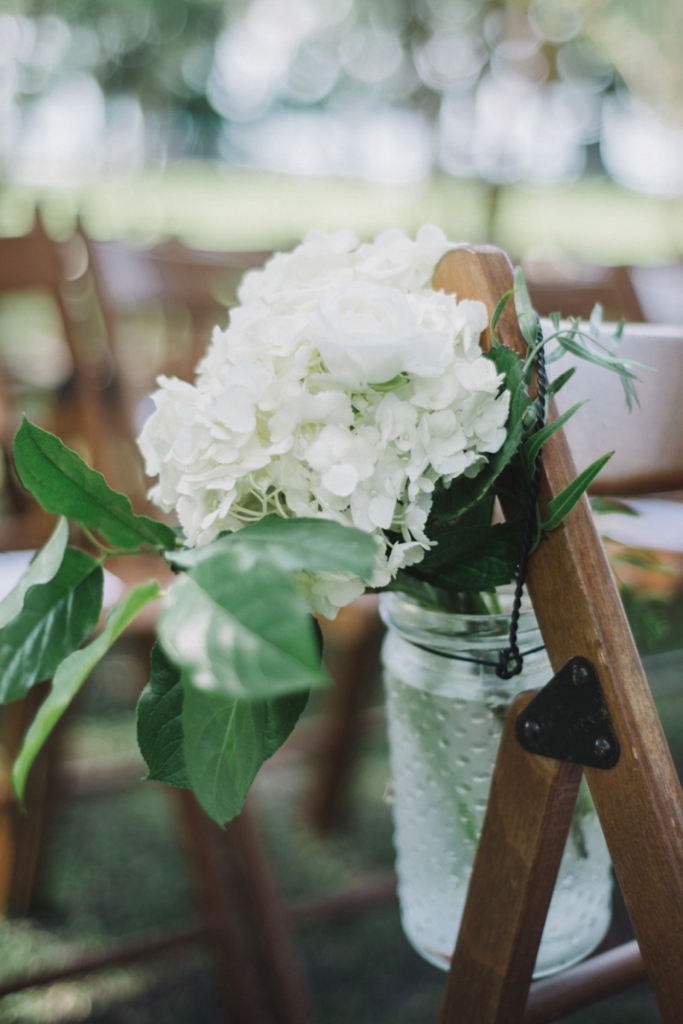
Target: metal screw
[
  {"x": 580, "y": 675},
  {"x": 602, "y": 748},
  {"x": 532, "y": 731}
]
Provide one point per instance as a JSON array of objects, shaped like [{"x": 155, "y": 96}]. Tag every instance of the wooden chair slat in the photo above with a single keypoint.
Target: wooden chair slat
[{"x": 594, "y": 979}]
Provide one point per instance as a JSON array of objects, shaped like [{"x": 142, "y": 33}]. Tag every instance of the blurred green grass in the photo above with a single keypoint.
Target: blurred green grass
[{"x": 217, "y": 207}]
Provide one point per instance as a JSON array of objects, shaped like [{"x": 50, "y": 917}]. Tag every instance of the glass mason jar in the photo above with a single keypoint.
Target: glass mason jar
[{"x": 445, "y": 719}]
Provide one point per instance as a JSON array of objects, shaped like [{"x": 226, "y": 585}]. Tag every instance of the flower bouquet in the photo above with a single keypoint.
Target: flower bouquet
[{"x": 346, "y": 431}]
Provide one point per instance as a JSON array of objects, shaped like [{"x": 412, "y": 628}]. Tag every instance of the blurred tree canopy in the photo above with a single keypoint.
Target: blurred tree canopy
[{"x": 212, "y": 67}]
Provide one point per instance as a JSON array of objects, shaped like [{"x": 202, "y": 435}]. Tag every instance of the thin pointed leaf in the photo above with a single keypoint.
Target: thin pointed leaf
[
  {"x": 236, "y": 625},
  {"x": 606, "y": 361},
  {"x": 41, "y": 570},
  {"x": 56, "y": 618},
  {"x": 533, "y": 446},
  {"x": 607, "y": 506},
  {"x": 561, "y": 506},
  {"x": 526, "y": 314},
  {"x": 160, "y": 724},
  {"x": 65, "y": 485},
  {"x": 595, "y": 322},
  {"x": 559, "y": 382},
  {"x": 497, "y": 314},
  {"x": 71, "y": 675}
]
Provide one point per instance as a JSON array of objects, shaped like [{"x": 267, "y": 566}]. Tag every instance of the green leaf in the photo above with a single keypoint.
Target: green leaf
[
  {"x": 55, "y": 619},
  {"x": 534, "y": 444},
  {"x": 227, "y": 741},
  {"x": 41, "y": 570},
  {"x": 559, "y": 382},
  {"x": 603, "y": 359},
  {"x": 497, "y": 315},
  {"x": 565, "y": 501},
  {"x": 65, "y": 485},
  {"x": 526, "y": 314},
  {"x": 605, "y": 506},
  {"x": 236, "y": 625},
  {"x": 315, "y": 545},
  {"x": 159, "y": 722},
  {"x": 282, "y": 714},
  {"x": 472, "y": 558},
  {"x": 464, "y": 492},
  {"x": 71, "y": 675}
]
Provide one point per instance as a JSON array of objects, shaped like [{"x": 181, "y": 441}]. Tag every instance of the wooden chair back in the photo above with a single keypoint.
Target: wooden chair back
[
  {"x": 73, "y": 409},
  {"x": 611, "y": 287},
  {"x": 175, "y": 278},
  {"x": 639, "y": 800}
]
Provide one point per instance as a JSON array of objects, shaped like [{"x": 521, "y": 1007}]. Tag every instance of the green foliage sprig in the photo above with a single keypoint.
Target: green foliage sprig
[{"x": 237, "y": 650}]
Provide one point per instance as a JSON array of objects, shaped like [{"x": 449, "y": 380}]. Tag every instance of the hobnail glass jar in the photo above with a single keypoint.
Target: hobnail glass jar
[{"x": 445, "y": 720}]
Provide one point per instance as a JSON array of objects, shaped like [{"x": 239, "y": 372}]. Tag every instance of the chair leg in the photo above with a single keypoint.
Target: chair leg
[
  {"x": 21, "y": 831},
  {"x": 289, "y": 985},
  {"x": 217, "y": 895},
  {"x": 257, "y": 963},
  {"x": 343, "y": 726},
  {"x": 527, "y": 820}
]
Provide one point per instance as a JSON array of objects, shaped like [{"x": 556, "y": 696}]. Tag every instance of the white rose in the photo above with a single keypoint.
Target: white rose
[{"x": 367, "y": 334}]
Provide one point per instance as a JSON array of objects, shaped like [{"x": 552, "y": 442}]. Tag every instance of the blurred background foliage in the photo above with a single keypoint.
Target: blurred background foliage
[{"x": 389, "y": 90}]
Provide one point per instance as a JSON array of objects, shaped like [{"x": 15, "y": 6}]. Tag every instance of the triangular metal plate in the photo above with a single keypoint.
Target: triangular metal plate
[{"x": 568, "y": 719}]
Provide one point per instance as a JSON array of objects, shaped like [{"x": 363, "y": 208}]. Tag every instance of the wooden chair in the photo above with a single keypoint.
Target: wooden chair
[
  {"x": 639, "y": 800},
  {"x": 192, "y": 286},
  {"x": 576, "y": 295},
  {"x": 35, "y": 263},
  {"x": 73, "y": 409}
]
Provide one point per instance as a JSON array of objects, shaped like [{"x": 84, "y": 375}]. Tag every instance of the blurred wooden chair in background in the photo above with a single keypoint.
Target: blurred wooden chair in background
[
  {"x": 59, "y": 380},
  {"x": 57, "y": 375},
  {"x": 575, "y": 290}
]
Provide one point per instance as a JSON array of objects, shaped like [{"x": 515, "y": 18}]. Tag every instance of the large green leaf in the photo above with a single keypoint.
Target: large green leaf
[
  {"x": 464, "y": 492},
  {"x": 71, "y": 675},
  {"x": 316, "y": 545},
  {"x": 227, "y": 741},
  {"x": 66, "y": 486},
  {"x": 160, "y": 724},
  {"x": 56, "y": 618},
  {"x": 41, "y": 570},
  {"x": 472, "y": 558},
  {"x": 236, "y": 625},
  {"x": 282, "y": 714},
  {"x": 560, "y": 507}
]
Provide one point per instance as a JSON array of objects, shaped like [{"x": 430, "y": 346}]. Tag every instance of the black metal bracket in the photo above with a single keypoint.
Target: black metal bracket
[{"x": 569, "y": 720}]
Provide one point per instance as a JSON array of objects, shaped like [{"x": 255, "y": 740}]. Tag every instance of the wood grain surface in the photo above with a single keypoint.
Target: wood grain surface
[
  {"x": 639, "y": 801},
  {"x": 519, "y": 853}
]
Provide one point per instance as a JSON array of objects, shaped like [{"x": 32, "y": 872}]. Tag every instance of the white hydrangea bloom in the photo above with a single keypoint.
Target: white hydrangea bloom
[{"x": 344, "y": 387}]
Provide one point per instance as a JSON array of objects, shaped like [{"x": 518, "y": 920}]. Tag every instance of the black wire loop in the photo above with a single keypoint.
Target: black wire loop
[{"x": 471, "y": 660}]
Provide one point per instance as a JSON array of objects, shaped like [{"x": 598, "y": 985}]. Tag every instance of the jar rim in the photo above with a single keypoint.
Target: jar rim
[{"x": 443, "y": 629}]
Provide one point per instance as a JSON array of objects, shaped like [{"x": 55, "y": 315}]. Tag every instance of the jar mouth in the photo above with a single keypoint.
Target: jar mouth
[{"x": 446, "y": 630}]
